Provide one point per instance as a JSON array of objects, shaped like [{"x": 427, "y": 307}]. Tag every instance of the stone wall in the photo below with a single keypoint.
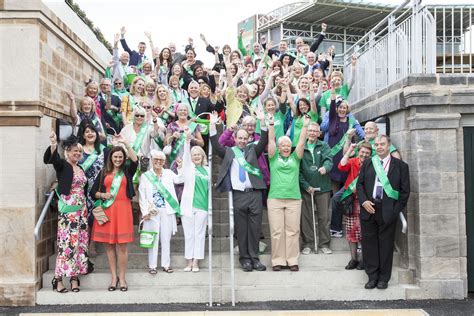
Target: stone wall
[
  {"x": 42, "y": 59},
  {"x": 426, "y": 115}
]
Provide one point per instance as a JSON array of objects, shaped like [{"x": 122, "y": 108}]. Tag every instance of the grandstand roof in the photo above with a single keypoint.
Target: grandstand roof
[{"x": 355, "y": 16}]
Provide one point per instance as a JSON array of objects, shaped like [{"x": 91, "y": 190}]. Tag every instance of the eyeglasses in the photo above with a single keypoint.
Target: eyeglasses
[
  {"x": 147, "y": 107},
  {"x": 139, "y": 115},
  {"x": 117, "y": 83}
]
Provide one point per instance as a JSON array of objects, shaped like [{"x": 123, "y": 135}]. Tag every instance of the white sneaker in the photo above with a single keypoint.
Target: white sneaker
[
  {"x": 306, "y": 251},
  {"x": 188, "y": 269},
  {"x": 326, "y": 251},
  {"x": 336, "y": 234}
]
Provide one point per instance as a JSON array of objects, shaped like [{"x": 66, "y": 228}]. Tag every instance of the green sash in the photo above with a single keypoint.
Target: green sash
[
  {"x": 163, "y": 191},
  {"x": 337, "y": 148},
  {"x": 91, "y": 159},
  {"x": 114, "y": 188},
  {"x": 244, "y": 164},
  {"x": 387, "y": 187},
  {"x": 137, "y": 144},
  {"x": 350, "y": 189},
  {"x": 64, "y": 208},
  {"x": 180, "y": 142}
]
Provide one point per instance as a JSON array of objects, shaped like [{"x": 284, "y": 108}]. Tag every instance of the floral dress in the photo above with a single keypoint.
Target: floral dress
[{"x": 73, "y": 237}]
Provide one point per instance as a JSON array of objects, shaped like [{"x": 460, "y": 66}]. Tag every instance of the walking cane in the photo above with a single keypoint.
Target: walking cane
[{"x": 314, "y": 224}]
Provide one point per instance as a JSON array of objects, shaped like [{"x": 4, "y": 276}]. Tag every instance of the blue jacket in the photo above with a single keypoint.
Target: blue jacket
[{"x": 135, "y": 58}]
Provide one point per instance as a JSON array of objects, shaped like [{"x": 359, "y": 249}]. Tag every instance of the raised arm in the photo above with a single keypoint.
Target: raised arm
[
  {"x": 271, "y": 136},
  {"x": 302, "y": 140},
  {"x": 72, "y": 108},
  {"x": 123, "y": 41},
  {"x": 353, "y": 71},
  {"x": 315, "y": 45},
  {"x": 216, "y": 147},
  {"x": 240, "y": 43}
]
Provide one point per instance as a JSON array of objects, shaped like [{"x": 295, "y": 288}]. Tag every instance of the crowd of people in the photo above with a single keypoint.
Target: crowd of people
[{"x": 280, "y": 120}]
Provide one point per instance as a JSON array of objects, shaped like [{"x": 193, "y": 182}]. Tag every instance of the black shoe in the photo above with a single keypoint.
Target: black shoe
[
  {"x": 360, "y": 266},
  {"x": 352, "y": 264},
  {"x": 371, "y": 284},
  {"x": 382, "y": 285},
  {"x": 75, "y": 289},
  {"x": 259, "y": 266},
  {"x": 247, "y": 267},
  {"x": 55, "y": 282}
]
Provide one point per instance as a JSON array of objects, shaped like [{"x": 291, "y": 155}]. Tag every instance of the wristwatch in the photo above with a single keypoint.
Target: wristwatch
[{"x": 154, "y": 120}]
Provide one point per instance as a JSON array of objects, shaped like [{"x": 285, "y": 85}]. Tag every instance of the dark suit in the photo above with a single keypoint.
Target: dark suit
[
  {"x": 106, "y": 117},
  {"x": 135, "y": 58},
  {"x": 378, "y": 230},
  {"x": 247, "y": 205}
]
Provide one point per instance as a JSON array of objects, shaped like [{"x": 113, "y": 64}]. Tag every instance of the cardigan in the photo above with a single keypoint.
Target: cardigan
[
  {"x": 64, "y": 171},
  {"x": 129, "y": 172}
]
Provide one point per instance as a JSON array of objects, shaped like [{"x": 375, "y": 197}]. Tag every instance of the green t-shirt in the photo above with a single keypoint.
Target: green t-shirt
[
  {"x": 201, "y": 192},
  {"x": 325, "y": 101},
  {"x": 284, "y": 177},
  {"x": 297, "y": 126}
]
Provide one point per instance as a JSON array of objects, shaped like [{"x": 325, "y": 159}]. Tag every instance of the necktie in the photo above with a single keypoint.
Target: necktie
[
  {"x": 242, "y": 175},
  {"x": 193, "y": 104},
  {"x": 379, "y": 188}
]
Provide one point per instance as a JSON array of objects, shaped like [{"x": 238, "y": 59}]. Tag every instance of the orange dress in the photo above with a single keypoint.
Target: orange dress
[{"x": 119, "y": 228}]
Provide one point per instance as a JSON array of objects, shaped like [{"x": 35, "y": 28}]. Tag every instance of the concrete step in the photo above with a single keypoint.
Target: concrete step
[
  {"x": 140, "y": 260},
  {"x": 188, "y": 287},
  {"x": 323, "y": 276}
]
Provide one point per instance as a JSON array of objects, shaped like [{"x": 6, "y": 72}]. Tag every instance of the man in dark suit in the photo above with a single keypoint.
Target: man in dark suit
[
  {"x": 199, "y": 104},
  {"x": 110, "y": 108},
  {"x": 239, "y": 172},
  {"x": 383, "y": 189},
  {"x": 136, "y": 58}
]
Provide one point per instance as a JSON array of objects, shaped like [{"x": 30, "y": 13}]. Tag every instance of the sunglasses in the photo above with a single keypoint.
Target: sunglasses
[
  {"x": 139, "y": 115},
  {"x": 117, "y": 83},
  {"x": 147, "y": 107}
]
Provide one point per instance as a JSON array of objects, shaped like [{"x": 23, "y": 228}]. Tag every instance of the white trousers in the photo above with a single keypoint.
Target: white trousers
[
  {"x": 194, "y": 234},
  {"x": 163, "y": 223}
]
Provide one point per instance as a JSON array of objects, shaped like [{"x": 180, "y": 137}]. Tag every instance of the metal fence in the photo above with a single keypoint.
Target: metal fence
[{"x": 403, "y": 43}]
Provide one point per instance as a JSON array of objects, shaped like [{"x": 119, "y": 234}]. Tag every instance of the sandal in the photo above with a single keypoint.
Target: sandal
[
  {"x": 75, "y": 289},
  {"x": 152, "y": 271},
  {"x": 55, "y": 282},
  {"x": 168, "y": 270}
]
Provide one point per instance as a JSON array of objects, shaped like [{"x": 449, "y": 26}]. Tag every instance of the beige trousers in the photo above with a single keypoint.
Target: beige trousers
[{"x": 284, "y": 217}]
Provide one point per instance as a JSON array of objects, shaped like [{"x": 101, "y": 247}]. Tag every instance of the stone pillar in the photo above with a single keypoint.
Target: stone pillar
[
  {"x": 42, "y": 59},
  {"x": 437, "y": 237}
]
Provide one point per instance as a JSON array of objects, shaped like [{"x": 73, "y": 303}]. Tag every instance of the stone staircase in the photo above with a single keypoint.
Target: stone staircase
[{"x": 321, "y": 277}]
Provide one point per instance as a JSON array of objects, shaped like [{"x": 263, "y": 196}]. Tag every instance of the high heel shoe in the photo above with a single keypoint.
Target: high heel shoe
[
  {"x": 55, "y": 282},
  {"x": 75, "y": 289},
  {"x": 114, "y": 287},
  {"x": 124, "y": 288}
]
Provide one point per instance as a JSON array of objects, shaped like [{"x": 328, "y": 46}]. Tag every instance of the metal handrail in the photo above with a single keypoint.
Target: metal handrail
[
  {"x": 231, "y": 244},
  {"x": 376, "y": 27},
  {"x": 209, "y": 222},
  {"x": 45, "y": 209}
]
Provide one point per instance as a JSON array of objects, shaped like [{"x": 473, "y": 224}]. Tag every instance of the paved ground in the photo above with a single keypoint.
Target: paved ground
[{"x": 432, "y": 307}]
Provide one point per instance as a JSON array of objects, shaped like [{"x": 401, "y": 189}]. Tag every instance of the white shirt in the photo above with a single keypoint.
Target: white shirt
[
  {"x": 235, "y": 179},
  {"x": 386, "y": 166}
]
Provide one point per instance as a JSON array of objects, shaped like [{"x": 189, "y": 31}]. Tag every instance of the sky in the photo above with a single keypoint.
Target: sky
[{"x": 177, "y": 20}]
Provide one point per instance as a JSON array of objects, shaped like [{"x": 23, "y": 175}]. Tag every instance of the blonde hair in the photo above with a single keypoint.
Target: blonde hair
[
  {"x": 337, "y": 73},
  {"x": 134, "y": 82},
  {"x": 344, "y": 102},
  {"x": 165, "y": 104},
  {"x": 87, "y": 99},
  {"x": 201, "y": 151}
]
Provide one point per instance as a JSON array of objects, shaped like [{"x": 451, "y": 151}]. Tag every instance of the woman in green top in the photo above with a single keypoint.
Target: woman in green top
[
  {"x": 194, "y": 202},
  {"x": 284, "y": 198}
]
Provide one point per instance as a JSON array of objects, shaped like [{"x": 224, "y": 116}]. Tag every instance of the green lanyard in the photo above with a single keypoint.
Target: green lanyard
[
  {"x": 163, "y": 191},
  {"x": 244, "y": 164},
  {"x": 387, "y": 187},
  {"x": 114, "y": 189}
]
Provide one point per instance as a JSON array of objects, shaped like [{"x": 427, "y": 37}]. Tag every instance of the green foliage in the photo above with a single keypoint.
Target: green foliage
[{"x": 90, "y": 24}]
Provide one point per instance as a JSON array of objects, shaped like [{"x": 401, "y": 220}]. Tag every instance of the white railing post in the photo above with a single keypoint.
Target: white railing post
[
  {"x": 391, "y": 51},
  {"x": 373, "y": 66}
]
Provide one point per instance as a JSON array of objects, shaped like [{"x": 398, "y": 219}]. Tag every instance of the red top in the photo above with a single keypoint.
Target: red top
[{"x": 353, "y": 167}]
